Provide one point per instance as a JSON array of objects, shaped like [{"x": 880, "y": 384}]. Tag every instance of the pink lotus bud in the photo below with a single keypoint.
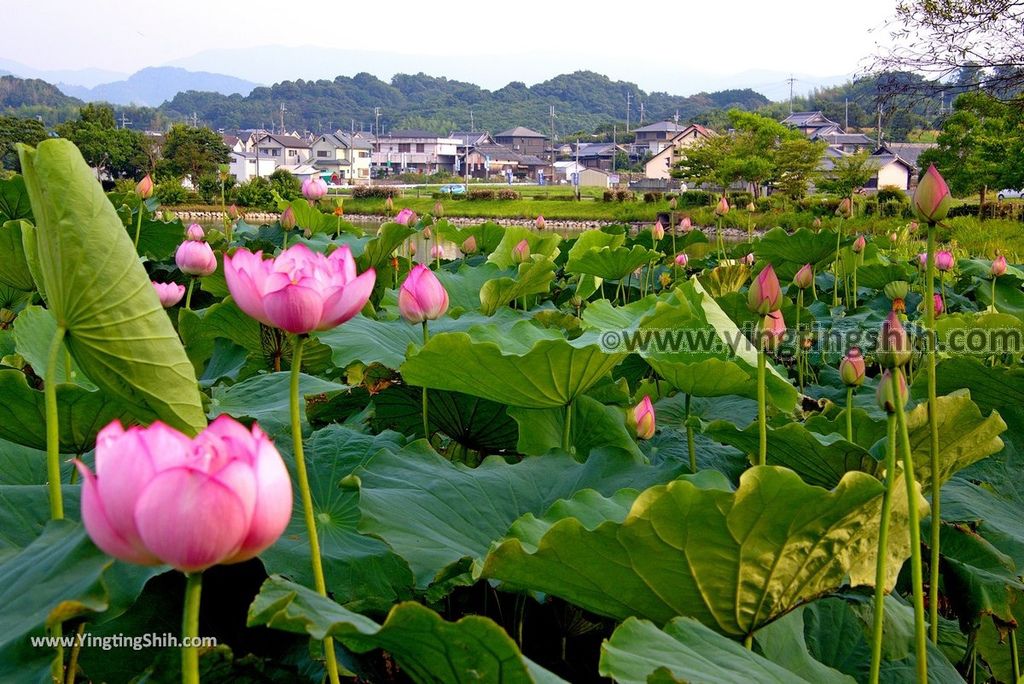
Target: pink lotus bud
[
  {"x": 765, "y": 294},
  {"x": 144, "y": 188},
  {"x": 313, "y": 188},
  {"x": 884, "y": 394},
  {"x": 773, "y": 329},
  {"x": 169, "y": 293},
  {"x": 299, "y": 290},
  {"x": 412, "y": 248},
  {"x": 233, "y": 213},
  {"x": 288, "y": 220},
  {"x": 893, "y": 237},
  {"x": 686, "y": 225},
  {"x": 845, "y": 208},
  {"x": 748, "y": 259},
  {"x": 672, "y": 204},
  {"x": 196, "y": 258},
  {"x": 389, "y": 205},
  {"x": 804, "y": 278},
  {"x": 944, "y": 260},
  {"x": 521, "y": 252},
  {"x": 940, "y": 306},
  {"x": 851, "y": 368},
  {"x": 158, "y": 497},
  {"x": 681, "y": 259},
  {"x": 437, "y": 252},
  {"x": 859, "y": 244},
  {"x": 912, "y": 226},
  {"x": 422, "y": 297},
  {"x": 438, "y": 208},
  {"x": 426, "y": 232},
  {"x": 893, "y": 343},
  {"x": 469, "y": 245},
  {"x": 195, "y": 232},
  {"x": 723, "y": 207},
  {"x": 751, "y": 207},
  {"x": 641, "y": 419},
  {"x": 817, "y": 223},
  {"x": 922, "y": 259},
  {"x": 405, "y": 217},
  {"x": 998, "y": 266},
  {"x": 932, "y": 198},
  {"x": 658, "y": 231},
  {"x": 540, "y": 222}
]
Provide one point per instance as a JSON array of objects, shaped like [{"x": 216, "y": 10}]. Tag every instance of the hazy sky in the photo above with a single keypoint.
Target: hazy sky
[{"x": 645, "y": 42}]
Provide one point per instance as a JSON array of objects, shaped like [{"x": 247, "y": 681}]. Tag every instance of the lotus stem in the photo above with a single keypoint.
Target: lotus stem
[
  {"x": 188, "y": 295},
  {"x": 762, "y": 415},
  {"x": 190, "y": 628},
  {"x": 835, "y": 266},
  {"x": 914, "y": 523},
  {"x": 1014, "y": 659},
  {"x": 426, "y": 423},
  {"x": 856, "y": 264},
  {"x": 748, "y": 642},
  {"x": 883, "y": 543},
  {"x": 799, "y": 340},
  {"x": 849, "y": 414},
  {"x": 138, "y": 223},
  {"x": 73, "y": 658},
  {"x": 567, "y": 428},
  {"x": 933, "y": 433},
  {"x": 52, "y": 427},
  {"x": 307, "y": 498},
  {"x": 689, "y": 438},
  {"x": 993, "y": 294}
]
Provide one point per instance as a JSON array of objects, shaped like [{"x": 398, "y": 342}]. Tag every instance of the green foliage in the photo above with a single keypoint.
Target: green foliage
[
  {"x": 285, "y": 184},
  {"x": 849, "y": 173},
  {"x": 118, "y": 151},
  {"x": 192, "y": 152},
  {"x": 14, "y": 130},
  {"x": 255, "y": 192}
]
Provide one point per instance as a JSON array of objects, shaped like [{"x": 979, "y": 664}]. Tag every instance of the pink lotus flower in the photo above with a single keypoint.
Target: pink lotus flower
[
  {"x": 912, "y": 226},
  {"x": 859, "y": 244},
  {"x": 686, "y": 225},
  {"x": 541, "y": 223},
  {"x": 438, "y": 208},
  {"x": 521, "y": 252},
  {"x": 412, "y": 248},
  {"x": 195, "y": 232},
  {"x": 658, "y": 231},
  {"x": 422, "y": 297},
  {"x": 893, "y": 237},
  {"x": 313, "y": 188},
  {"x": 932, "y": 198},
  {"x": 144, "y": 188},
  {"x": 852, "y": 367},
  {"x": 884, "y": 394},
  {"x": 437, "y": 252},
  {"x": 998, "y": 266},
  {"x": 196, "y": 258},
  {"x": 299, "y": 290},
  {"x": 804, "y": 278},
  {"x": 893, "y": 343},
  {"x": 233, "y": 213},
  {"x": 845, "y": 208},
  {"x": 765, "y": 294},
  {"x": 405, "y": 216},
  {"x": 158, "y": 497},
  {"x": 288, "y": 220},
  {"x": 773, "y": 329},
  {"x": 944, "y": 260},
  {"x": 682, "y": 259},
  {"x": 426, "y": 230},
  {"x": 723, "y": 207},
  {"x": 642, "y": 419},
  {"x": 169, "y": 293},
  {"x": 940, "y": 306},
  {"x": 469, "y": 245}
]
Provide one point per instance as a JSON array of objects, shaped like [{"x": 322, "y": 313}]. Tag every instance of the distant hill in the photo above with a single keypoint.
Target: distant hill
[
  {"x": 17, "y": 93},
  {"x": 155, "y": 85}
]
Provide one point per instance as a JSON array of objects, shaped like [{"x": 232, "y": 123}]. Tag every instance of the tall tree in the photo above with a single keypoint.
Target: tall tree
[
  {"x": 14, "y": 130},
  {"x": 849, "y": 173},
  {"x": 192, "y": 152},
  {"x": 797, "y": 160},
  {"x": 119, "y": 152}
]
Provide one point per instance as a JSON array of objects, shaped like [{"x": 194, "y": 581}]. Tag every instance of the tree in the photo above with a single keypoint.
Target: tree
[
  {"x": 797, "y": 160},
  {"x": 14, "y": 130},
  {"x": 285, "y": 184},
  {"x": 192, "y": 152},
  {"x": 121, "y": 153},
  {"x": 849, "y": 173}
]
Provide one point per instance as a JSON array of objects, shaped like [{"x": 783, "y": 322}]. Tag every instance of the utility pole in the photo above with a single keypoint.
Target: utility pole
[
  {"x": 846, "y": 126},
  {"x": 641, "y": 112},
  {"x": 614, "y": 141},
  {"x": 791, "y": 81},
  {"x": 472, "y": 122},
  {"x": 629, "y": 97},
  {"x": 282, "y": 111},
  {"x": 577, "y": 169},
  {"x": 376, "y": 122},
  {"x": 124, "y": 120},
  {"x": 551, "y": 113},
  {"x": 675, "y": 118},
  {"x": 879, "y": 125}
]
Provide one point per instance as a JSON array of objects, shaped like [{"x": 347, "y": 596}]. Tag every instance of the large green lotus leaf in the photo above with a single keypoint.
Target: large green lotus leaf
[
  {"x": 378, "y": 250},
  {"x": 265, "y": 399},
  {"x": 533, "y": 277},
  {"x": 724, "y": 279},
  {"x": 158, "y": 240},
  {"x": 22, "y": 465},
  {"x": 953, "y": 331},
  {"x": 520, "y": 366},
  {"x": 475, "y": 423},
  {"x": 30, "y": 245},
  {"x": 690, "y": 652},
  {"x": 426, "y": 647},
  {"x": 993, "y": 643},
  {"x": 59, "y": 576},
  {"x": 592, "y": 425},
  {"x": 361, "y": 571},
  {"x": 876, "y": 276},
  {"x": 14, "y": 203},
  {"x": 25, "y": 512},
  {"x": 804, "y": 246},
  {"x": 611, "y": 263},
  {"x": 463, "y": 286},
  {"x": 34, "y": 329},
  {"x": 98, "y": 290},
  {"x": 434, "y": 512},
  {"x": 784, "y": 642},
  {"x": 14, "y": 271},
  {"x": 540, "y": 243},
  {"x": 866, "y": 430},
  {"x": 1009, "y": 296},
  {"x": 733, "y": 560},
  {"x": 595, "y": 239},
  {"x": 978, "y": 579},
  {"x": 995, "y": 518},
  {"x": 982, "y": 268},
  {"x": 81, "y": 414}
]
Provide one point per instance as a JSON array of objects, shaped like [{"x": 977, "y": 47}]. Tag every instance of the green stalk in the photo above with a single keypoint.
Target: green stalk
[
  {"x": 307, "y": 498},
  {"x": 993, "y": 294},
  {"x": 138, "y": 222},
  {"x": 567, "y": 428},
  {"x": 799, "y": 340},
  {"x": 933, "y": 430},
  {"x": 856, "y": 263},
  {"x": 52, "y": 428},
  {"x": 883, "y": 543},
  {"x": 188, "y": 295},
  {"x": 689, "y": 438},
  {"x": 1014, "y": 658},
  {"x": 190, "y": 628},
  {"x": 426, "y": 423},
  {"x": 849, "y": 414},
  {"x": 835, "y": 266},
  {"x": 762, "y": 415},
  {"x": 914, "y": 522},
  {"x": 748, "y": 642}
]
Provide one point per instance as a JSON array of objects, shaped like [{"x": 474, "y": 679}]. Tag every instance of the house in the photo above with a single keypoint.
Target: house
[
  {"x": 598, "y": 155},
  {"x": 286, "y": 149},
  {"x": 245, "y": 166},
  {"x": 563, "y": 171},
  {"x": 910, "y": 152},
  {"x": 812, "y": 124},
  {"x": 345, "y": 156},
  {"x": 415, "y": 150},
  {"x": 302, "y": 171},
  {"x": 233, "y": 142},
  {"x": 847, "y": 142},
  {"x": 657, "y": 136},
  {"x": 489, "y": 159},
  {"x": 524, "y": 140},
  {"x": 595, "y": 178},
  {"x": 660, "y": 165},
  {"x": 891, "y": 170}
]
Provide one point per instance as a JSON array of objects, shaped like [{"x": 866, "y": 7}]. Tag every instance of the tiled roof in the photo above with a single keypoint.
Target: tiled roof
[{"x": 520, "y": 132}]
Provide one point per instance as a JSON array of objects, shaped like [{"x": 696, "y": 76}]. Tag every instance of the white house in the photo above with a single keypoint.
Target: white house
[
  {"x": 285, "y": 149},
  {"x": 660, "y": 165},
  {"x": 345, "y": 156},
  {"x": 415, "y": 150},
  {"x": 244, "y": 166}
]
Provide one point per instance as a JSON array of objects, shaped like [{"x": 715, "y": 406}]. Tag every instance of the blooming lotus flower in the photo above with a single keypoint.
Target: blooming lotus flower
[
  {"x": 804, "y": 278},
  {"x": 682, "y": 259},
  {"x": 422, "y": 297},
  {"x": 144, "y": 188},
  {"x": 233, "y": 213},
  {"x": 851, "y": 368},
  {"x": 940, "y": 306},
  {"x": 723, "y": 207},
  {"x": 437, "y": 252},
  {"x": 641, "y": 418},
  {"x": 405, "y": 216},
  {"x": 438, "y": 208},
  {"x": 998, "y": 266},
  {"x": 196, "y": 258},
  {"x": 893, "y": 343},
  {"x": 859, "y": 244},
  {"x": 521, "y": 252},
  {"x": 169, "y": 293},
  {"x": 313, "y": 188},
  {"x": 884, "y": 394},
  {"x": 540, "y": 222},
  {"x": 932, "y": 198},
  {"x": 665, "y": 279},
  {"x": 299, "y": 290},
  {"x": 195, "y": 232},
  {"x": 944, "y": 260},
  {"x": 469, "y": 245},
  {"x": 686, "y": 225},
  {"x": 773, "y": 329},
  {"x": 765, "y": 294},
  {"x": 658, "y": 231},
  {"x": 158, "y": 497},
  {"x": 288, "y": 220}
]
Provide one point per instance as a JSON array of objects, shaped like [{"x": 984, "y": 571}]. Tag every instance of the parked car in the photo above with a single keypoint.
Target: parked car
[
  {"x": 453, "y": 189},
  {"x": 1010, "y": 193}
]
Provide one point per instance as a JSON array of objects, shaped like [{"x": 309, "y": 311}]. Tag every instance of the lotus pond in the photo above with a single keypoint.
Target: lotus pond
[{"x": 252, "y": 453}]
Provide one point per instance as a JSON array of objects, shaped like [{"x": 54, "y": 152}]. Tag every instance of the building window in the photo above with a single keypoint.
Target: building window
[
  {"x": 404, "y": 147},
  {"x": 293, "y": 153},
  {"x": 419, "y": 147},
  {"x": 322, "y": 154}
]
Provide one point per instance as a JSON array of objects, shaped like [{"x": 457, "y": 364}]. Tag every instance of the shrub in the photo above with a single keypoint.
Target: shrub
[
  {"x": 286, "y": 184},
  {"x": 890, "y": 193},
  {"x": 624, "y": 195},
  {"x": 481, "y": 194},
  {"x": 256, "y": 192},
  {"x": 375, "y": 191},
  {"x": 740, "y": 199},
  {"x": 508, "y": 195},
  {"x": 697, "y": 198},
  {"x": 171, "y": 192},
  {"x": 650, "y": 197},
  {"x": 208, "y": 187},
  {"x": 608, "y": 196},
  {"x": 765, "y": 203}
]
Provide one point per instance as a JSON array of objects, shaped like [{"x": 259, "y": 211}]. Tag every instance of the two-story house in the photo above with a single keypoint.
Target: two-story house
[
  {"x": 286, "y": 150},
  {"x": 345, "y": 156},
  {"x": 660, "y": 165},
  {"x": 523, "y": 140},
  {"x": 486, "y": 160},
  {"x": 657, "y": 136},
  {"x": 415, "y": 150}
]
